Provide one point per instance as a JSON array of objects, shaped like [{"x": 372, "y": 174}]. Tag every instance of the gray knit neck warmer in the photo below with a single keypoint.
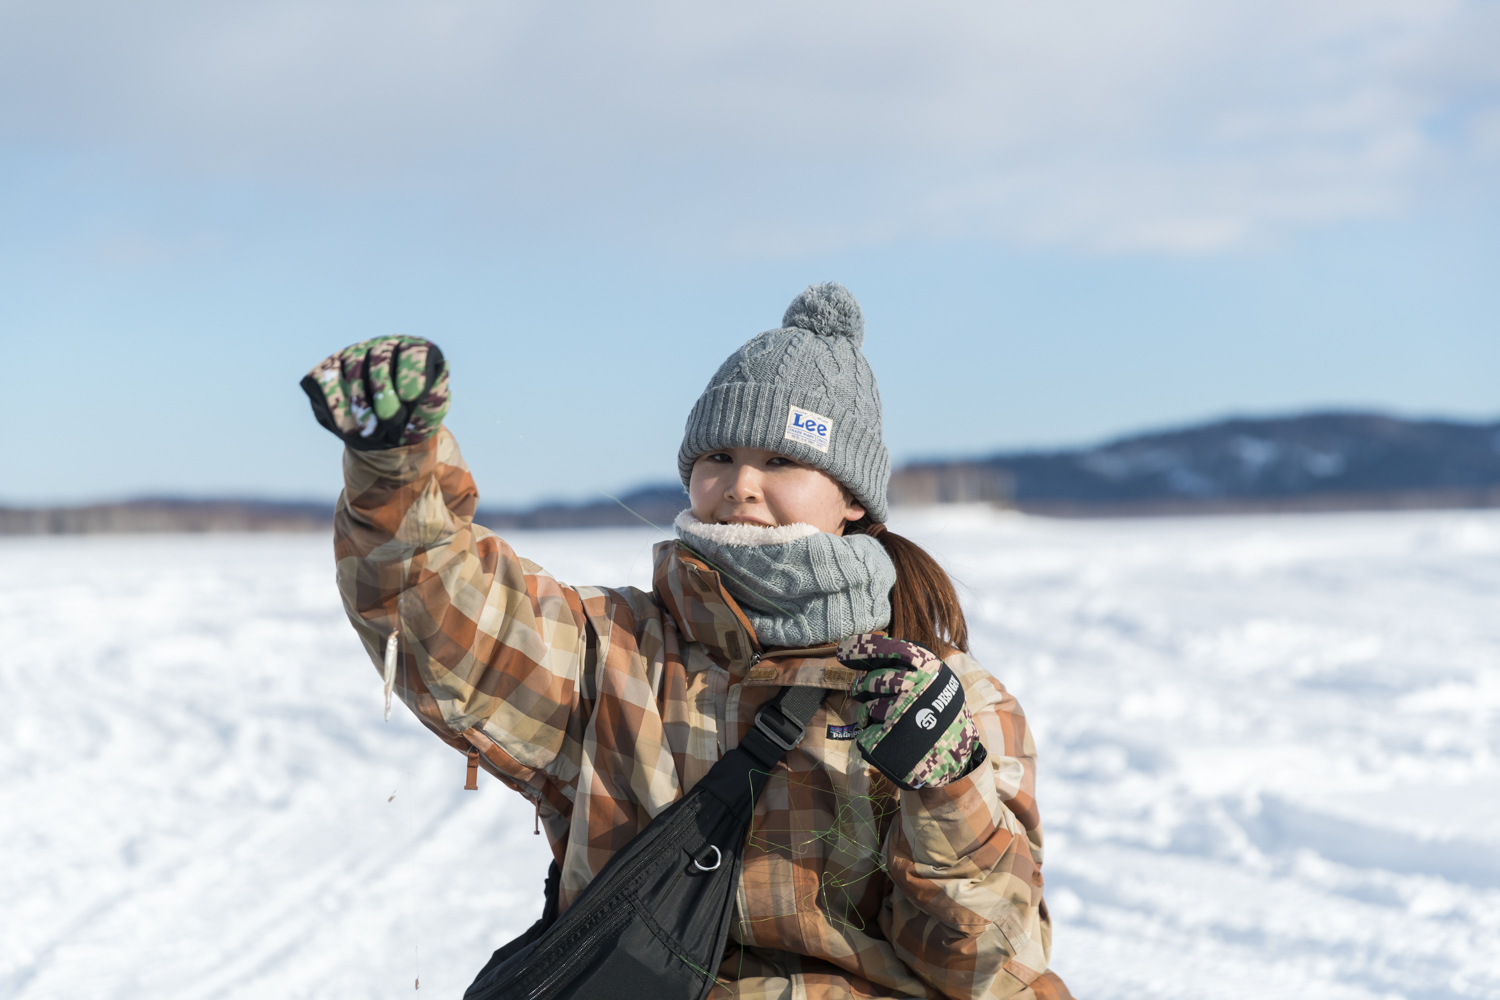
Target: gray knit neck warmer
[{"x": 798, "y": 586}]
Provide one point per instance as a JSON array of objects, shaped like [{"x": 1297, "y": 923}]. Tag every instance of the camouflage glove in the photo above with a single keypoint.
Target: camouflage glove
[
  {"x": 381, "y": 393},
  {"x": 913, "y": 723}
]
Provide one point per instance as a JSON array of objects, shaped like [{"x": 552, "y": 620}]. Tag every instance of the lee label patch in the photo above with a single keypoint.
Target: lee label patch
[
  {"x": 842, "y": 732},
  {"x": 809, "y": 428}
]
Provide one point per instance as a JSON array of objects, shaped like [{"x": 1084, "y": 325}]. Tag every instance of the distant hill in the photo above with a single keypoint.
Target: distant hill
[
  {"x": 1318, "y": 461},
  {"x": 156, "y": 514},
  {"x": 656, "y": 505}
]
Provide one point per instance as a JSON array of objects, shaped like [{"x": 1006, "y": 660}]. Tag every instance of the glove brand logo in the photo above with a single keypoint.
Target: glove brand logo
[
  {"x": 941, "y": 701},
  {"x": 926, "y": 718},
  {"x": 807, "y": 427}
]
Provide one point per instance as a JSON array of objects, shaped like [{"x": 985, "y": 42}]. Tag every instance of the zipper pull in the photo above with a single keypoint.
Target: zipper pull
[{"x": 472, "y": 784}]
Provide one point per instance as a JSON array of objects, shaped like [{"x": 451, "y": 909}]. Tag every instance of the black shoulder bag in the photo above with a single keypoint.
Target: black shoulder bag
[{"x": 655, "y": 920}]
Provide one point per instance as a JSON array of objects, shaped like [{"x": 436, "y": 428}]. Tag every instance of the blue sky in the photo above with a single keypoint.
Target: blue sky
[{"x": 1063, "y": 221}]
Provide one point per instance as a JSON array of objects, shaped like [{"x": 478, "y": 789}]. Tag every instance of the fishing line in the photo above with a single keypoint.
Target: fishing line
[
  {"x": 708, "y": 562},
  {"x": 635, "y": 513},
  {"x": 403, "y": 820},
  {"x": 411, "y": 908},
  {"x": 411, "y": 891}
]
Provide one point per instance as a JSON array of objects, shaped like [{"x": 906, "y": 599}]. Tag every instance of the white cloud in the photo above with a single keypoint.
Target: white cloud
[{"x": 1163, "y": 125}]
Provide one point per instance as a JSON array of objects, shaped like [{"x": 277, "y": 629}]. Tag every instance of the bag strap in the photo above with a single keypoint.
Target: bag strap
[
  {"x": 781, "y": 723},
  {"x": 737, "y": 778}
]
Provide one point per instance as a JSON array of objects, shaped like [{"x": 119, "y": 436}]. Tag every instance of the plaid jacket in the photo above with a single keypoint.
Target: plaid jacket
[{"x": 604, "y": 706}]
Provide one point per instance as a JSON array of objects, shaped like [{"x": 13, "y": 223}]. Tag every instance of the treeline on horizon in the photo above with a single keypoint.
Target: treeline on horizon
[{"x": 1310, "y": 462}]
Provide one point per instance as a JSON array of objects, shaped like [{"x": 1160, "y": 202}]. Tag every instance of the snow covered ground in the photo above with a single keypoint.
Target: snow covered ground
[{"x": 1269, "y": 750}]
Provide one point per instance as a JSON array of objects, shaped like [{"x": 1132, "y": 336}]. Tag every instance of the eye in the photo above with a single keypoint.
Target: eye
[
  {"x": 717, "y": 456},
  {"x": 782, "y": 462}
]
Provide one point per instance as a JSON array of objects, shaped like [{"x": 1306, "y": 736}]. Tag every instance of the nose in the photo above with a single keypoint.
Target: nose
[{"x": 744, "y": 487}]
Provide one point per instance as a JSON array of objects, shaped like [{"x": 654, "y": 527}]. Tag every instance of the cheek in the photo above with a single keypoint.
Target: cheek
[
  {"x": 811, "y": 496},
  {"x": 701, "y": 491}
]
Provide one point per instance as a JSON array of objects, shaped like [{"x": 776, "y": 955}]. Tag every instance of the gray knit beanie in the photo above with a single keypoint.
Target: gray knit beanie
[{"x": 805, "y": 391}]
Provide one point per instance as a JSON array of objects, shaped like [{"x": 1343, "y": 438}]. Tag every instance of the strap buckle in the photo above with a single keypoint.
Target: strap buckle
[{"x": 780, "y": 730}]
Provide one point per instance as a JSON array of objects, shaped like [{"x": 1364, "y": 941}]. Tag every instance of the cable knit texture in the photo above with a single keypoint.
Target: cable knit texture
[
  {"x": 798, "y": 586},
  {"x": 812, "y": 362}
]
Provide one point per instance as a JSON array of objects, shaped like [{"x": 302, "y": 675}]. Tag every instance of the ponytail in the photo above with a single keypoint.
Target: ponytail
[{"x": 924, "y": 606}]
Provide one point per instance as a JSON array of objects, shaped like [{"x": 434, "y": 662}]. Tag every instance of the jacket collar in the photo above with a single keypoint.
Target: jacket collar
[{"x": 695, "y": 597}]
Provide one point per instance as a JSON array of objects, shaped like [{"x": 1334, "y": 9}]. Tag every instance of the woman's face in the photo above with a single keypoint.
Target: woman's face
[{"x": 753, "y": 486}]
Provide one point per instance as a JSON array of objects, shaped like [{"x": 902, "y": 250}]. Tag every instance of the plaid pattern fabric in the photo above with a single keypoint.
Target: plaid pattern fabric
[{"x": 604, "y": 706}]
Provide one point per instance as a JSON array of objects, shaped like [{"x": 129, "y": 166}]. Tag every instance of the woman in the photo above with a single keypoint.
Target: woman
[{"x": 866, "y": 873}]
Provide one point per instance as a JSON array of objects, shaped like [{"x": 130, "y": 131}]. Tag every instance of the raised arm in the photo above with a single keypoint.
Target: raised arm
[{"x": 487, "y": 642}]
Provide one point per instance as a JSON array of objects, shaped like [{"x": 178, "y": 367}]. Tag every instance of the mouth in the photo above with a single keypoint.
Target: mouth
[{"x": 744, "y": 519}]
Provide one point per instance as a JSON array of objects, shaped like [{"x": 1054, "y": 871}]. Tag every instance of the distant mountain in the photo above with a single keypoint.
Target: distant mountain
[
  {"x": 656, "y": 505},
  {"x": 1317, "y": 461},
  {"x": 155, "y": 514}
]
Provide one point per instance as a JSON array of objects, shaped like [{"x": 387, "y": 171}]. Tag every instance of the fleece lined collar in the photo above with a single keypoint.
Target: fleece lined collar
[{"x": 741, "y": 534}]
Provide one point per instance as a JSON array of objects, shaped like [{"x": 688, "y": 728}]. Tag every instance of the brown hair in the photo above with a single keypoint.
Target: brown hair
[{"x": 924, "y": 606}]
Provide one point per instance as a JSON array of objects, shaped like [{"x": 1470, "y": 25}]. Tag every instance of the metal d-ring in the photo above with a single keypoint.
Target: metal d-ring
[{"x": 718, "y": 860}]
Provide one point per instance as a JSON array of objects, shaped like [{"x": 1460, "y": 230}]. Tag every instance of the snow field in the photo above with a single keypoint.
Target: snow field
[{"x": 1268, "y": 753}]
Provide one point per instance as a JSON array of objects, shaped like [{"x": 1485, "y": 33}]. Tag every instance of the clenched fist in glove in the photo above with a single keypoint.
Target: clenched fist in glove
[
  {"x": 914, "y": 726},
  {"x": 381, "y": 393}
]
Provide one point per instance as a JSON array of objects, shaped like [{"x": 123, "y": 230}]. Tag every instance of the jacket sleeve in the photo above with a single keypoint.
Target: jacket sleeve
[
  {"x": 964, "y": 859},
  {"x": 492, "y": 649}
]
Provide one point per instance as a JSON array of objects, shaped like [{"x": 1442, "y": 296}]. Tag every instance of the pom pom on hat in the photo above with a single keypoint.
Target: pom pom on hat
[{"x": 827, "y": 310}]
